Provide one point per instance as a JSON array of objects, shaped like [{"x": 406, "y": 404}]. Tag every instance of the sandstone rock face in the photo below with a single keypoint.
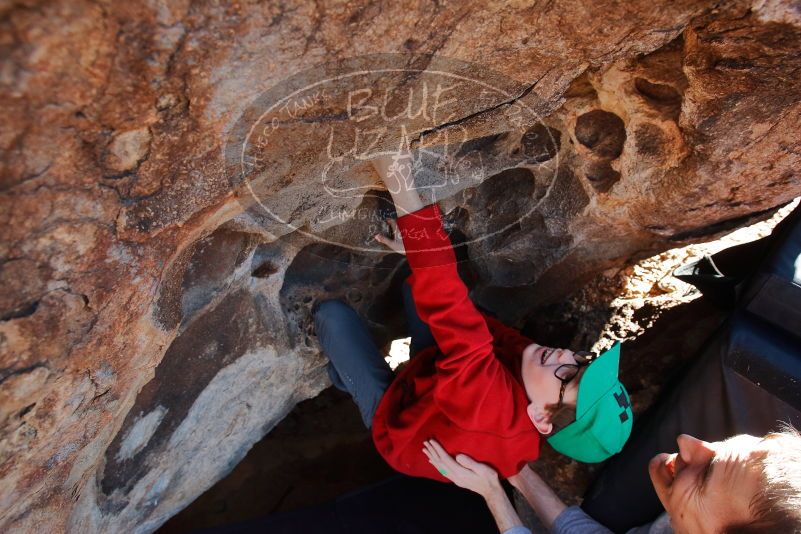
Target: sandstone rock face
[{"x": 154, "y": 322}]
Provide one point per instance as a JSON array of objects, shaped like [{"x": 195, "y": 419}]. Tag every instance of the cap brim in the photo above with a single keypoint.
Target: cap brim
[{"x": 600, "y": 376}]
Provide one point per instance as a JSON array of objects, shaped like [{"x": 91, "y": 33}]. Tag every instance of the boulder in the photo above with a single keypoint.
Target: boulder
[{"x": 180, "y": 182}]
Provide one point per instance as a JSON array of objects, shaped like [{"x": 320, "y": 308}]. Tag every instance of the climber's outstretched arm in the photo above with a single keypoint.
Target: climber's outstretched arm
[{"x": 396, "y": 173}]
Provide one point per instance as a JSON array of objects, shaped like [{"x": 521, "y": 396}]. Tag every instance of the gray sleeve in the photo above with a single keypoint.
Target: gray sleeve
[
  {"x": 575, "y": 521},
  {"x": 517, "y": 530}
]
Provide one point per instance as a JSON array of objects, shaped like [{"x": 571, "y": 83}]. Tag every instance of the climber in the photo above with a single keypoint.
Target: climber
[
  {"x": 477, "y": 386},
  {"x": 743, "y": 484}
]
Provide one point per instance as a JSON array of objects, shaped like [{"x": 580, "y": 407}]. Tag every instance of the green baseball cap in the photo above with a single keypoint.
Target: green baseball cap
[{"x": 603, "y": 413}]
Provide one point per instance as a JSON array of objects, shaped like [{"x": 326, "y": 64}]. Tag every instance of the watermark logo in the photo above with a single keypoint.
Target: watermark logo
[{"x": 300, "y": 156}]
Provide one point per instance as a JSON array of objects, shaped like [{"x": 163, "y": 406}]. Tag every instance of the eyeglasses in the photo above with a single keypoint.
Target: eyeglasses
[{"x": 568, "y": 371}]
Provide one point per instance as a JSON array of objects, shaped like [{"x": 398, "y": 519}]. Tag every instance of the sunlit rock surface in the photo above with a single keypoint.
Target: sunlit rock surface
[{"x": 153, "y": 328}]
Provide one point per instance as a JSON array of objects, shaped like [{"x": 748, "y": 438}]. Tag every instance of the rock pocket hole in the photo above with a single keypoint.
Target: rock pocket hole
[
  {"x": 602, "y": 132},
  {"x": 658, "y": 93},
  {"x": 23, "y": 412},
  {"x": 541, "y": 143},
  {"x": 25, "y": 310},
  {"x": 265, "y": 270},
  {"x": 602, "y": 176},
  {"x": 368, "y": 283},
  {"x": 581, "y": 87}
]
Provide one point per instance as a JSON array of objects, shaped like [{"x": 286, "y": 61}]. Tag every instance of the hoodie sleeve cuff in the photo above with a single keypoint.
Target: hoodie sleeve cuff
[{"x": 426, "y": 242}]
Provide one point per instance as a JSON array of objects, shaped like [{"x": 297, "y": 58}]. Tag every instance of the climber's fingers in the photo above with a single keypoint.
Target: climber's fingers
[
  {"x": 394, "y": 243},
  {"x": 393, "y": 224}
]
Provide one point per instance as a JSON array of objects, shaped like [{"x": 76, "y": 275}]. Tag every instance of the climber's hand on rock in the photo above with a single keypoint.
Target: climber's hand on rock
[
  {"x": 462, "y": 470},
  {"x": 395, "y": 242}
]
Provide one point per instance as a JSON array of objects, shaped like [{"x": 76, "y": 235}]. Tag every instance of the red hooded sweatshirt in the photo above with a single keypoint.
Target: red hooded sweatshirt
[{"x": 466, "y": 392}]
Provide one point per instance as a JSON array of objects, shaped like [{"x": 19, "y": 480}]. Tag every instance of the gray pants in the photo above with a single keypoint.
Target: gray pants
[{"x": 356, "y": 365}]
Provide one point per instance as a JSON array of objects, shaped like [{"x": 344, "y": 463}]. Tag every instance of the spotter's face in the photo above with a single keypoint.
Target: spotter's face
[{"x": 706, "y": 487}]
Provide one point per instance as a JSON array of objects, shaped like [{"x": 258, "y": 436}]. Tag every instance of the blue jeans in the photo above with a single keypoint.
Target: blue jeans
[{"x": 356, "y": 365}]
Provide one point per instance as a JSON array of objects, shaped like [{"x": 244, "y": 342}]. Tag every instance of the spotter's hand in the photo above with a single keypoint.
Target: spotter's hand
[{"x": 395, "y": 243}]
